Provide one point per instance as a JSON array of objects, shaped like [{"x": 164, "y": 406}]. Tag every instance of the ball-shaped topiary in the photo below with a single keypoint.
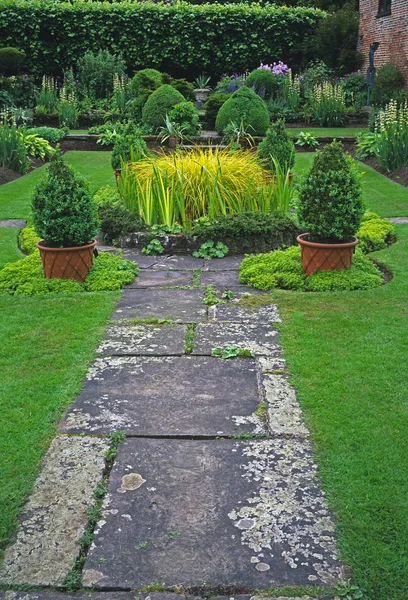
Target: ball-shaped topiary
[
  {"x": 11, "y": 61},
  {"x": 264, "y": 82},
  {"x": 212, "y": 107},
  {"x": 159, "y": 104},
  {"x": 146, "y": 80},
  {"x": 278, "y": 145},
  {"x": 330, "y": 205},
  {"x": 64, "y": 212},
  {"x": 246, "y": 106}
]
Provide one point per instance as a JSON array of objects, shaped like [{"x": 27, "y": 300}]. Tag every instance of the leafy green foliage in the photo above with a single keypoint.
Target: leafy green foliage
[
  {"x": 330, "y": 205},
  {"x": 27, "y": 239},
  {"x": 156, "y": 34},
  {"x": 51, "y": 134},
  {"x": 283, "y": 269},
  {"x": 305, "y": 138},
  {"x": 211, "y": 249},
  {"x": 244, "y": 105},
  {"x": 367, "y": 145},
  {"x": 96, "y": 71},
  {"x": 63, "y": 209},
  {"x": 274, "y": 229},
  {"x": 25, "y": 277},
  {"x": 278, "y": 145},
  {"x": 154, "y": 247},
  {"x": 375, "y": 233},
  {"x": 186, "y": 116},
  {"x": 160, "y": 103},
  {"x": 211, "y": 297},
  {"x": 264, "y": 83},
  {"x": 355, "y": 90},
  {"x": 212, "y": 106},
  {"x": 11, "y": 61},
  {"x": 388, "y": 83},
  {"x": 13, "y": 153},
  {"x": 129, "y": 145},
  {"x": 231, "y": 352},
  {"x": 146, "y": 81},
  {"x": 35, "y": 145}
]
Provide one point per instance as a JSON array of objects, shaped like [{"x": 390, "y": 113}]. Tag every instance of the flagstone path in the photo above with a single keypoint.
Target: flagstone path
[{"x": 214, "y": 489}]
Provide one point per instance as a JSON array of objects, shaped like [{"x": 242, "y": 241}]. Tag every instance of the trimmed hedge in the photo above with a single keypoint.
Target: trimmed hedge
[{"x": 183, "y": 38}]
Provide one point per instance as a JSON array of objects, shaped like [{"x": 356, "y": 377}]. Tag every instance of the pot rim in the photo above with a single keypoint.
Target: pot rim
[
  {"x": 65, "y": 248},
  {"x": 304, "y": 242}
]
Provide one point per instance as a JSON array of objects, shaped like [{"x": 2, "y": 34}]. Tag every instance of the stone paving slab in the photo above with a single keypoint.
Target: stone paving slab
[
  {"x": 183, "y": 306},
  {"x": 17, "y": 223},
  {"x": 167, "y": 396},
  {"x": 144, "y": 261},
  {"x": 284, "y": 412},
  {"x": 51, "y": 595},
  {"x": 222, "y": 280},
  {"x": 228, "y": 263},
  {"x": 180, "y": 262},
  {"x": 398, "y": 220},
  {"x": 260, "y": 339},
  {"x": 54, "y": 517},
  {"x": 274, "y": 365},
  {"x": 160, "y": 340},
  {"x": 151, "y": 278},
  {"x": 234, "y": 313},
  {"x": 247, "y": 513}
]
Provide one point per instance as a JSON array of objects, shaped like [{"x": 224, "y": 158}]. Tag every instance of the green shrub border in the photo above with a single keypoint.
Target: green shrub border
[{"x": 213, "y": 38}]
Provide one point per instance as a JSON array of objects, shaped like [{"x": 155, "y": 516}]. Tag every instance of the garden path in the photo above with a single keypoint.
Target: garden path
[{"x": 214, "y": 489}]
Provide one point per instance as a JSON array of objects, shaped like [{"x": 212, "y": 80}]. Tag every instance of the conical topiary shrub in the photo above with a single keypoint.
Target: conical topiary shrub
[
  {"x": 160, "y": 103},
  {"x": 244, "y": 106},
  {"x": 277, "y": 145}
]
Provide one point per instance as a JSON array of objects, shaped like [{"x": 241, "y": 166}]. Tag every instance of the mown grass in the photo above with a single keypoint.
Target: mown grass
[
  {"x": 383, "y": 196},
  {"x": 15, "y": 197},
  {"x": 46, "y": 344},
  {"x": 348, "y": 354},
  {"x": 9, "y": 251}
]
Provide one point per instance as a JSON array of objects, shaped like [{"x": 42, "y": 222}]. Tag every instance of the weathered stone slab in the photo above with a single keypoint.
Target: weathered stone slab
[
  {"x": 160, "y": 340},
  {"x": 17, "y": 223},
  {"x": 260, "y": 339},
  {"x": 234, "y": 313},
  {"x": 52, "y": 595},
  {"x": 228, "y": 263},
  {"x": 247, "y": 513},
  {"x": 148, "y": 279},
  {"x": 284, "y": 412},
  {"x": 180, "y": 262},
  {"x": 274, "y": 365},
  {"x": 399, "y": 220},
  {"x": 183, "y": 306},
  {"x": 55, "y": 516},
  {"x": 168, "y": 396},
  {"x": 223, "y": 280},
  {"x": 144, "y": 261}
]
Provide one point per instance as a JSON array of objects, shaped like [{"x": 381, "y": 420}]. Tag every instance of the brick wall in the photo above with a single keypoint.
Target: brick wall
[{"x": 391, "y": 31}]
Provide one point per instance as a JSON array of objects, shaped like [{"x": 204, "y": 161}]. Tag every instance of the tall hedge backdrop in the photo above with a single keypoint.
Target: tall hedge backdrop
[{"x": 181, "y": 39}]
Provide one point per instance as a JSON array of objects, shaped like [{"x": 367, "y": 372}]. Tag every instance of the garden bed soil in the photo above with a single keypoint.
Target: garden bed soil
[
  {"x": 7, "y": 175},
  {"x": 398, "y": 175}
]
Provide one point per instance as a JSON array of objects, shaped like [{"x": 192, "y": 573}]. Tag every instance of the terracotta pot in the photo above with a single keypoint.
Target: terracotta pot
[
  {"x": 325, "y": 257},
  {"x": 67, "y": 263}
]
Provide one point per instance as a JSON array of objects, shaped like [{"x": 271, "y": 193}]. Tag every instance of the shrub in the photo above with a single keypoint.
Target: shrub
[
  {"x": 375, "y": 233},
  {"x": 116, "y": 220},
  {"x": 355, "y": 90},
  {"x": 27, "y": 239},
  {"x": 246, "y": 106},
  {"x": 129, "y": 145},
  {"x": 107, "y": 195},
  {"x": 330, "y": 203},
  {"x": 277, "y": 144},
  {"x": 283, "y": 269},
  {"x": 149, "y": 34},
  {"x": 159, "y": 104},
  {"x": 11, "y": 61},
  {"x": 64, "y": 213},
  {"x": 336, "y": 40},
  {"x": 389, "y": 81},
  {"x": 26, "y": 278},
  {"x": 265, "y": 83},
  {"x": 96, "y": 71},
  {"x": 146, "y": 81},
  {"x": 183, "y": 86},
  {"x": 186, "y": 116},
  {"x": 212, "y": 106},
  {"x": 50, "y": 133},
  {"x": 316, "y": 74}
]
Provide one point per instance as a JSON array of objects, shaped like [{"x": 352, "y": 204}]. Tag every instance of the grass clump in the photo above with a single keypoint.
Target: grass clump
[{"x": 283, "y": 269}]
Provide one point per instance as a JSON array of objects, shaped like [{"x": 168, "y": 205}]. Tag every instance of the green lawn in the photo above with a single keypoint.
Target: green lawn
[
  {"x": 45, "y": 346},
  {"x": 15, "y": 197},
  {"x": 348, "y": 353},
  {"x": 327, "y": 131},
  {"x": 9, "y": 251},
  {"x": 383, "y": 196}
]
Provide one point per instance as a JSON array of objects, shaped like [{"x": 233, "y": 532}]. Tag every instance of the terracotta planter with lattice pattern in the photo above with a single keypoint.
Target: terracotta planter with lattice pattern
[
  {"x": 325, "y": 257},
  {"x": 67, "y": 263}
]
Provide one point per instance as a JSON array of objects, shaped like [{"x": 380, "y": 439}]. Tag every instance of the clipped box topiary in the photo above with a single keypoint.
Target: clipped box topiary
[
  {"x": 11, "y": 61},
  {"x": 277, "y": 145},
  {"x": 244, "y": 106},
  {"x": 330, "y": 209},
  {"x": 160, "y": 103},
  {"x": 65, "y": 215}
]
